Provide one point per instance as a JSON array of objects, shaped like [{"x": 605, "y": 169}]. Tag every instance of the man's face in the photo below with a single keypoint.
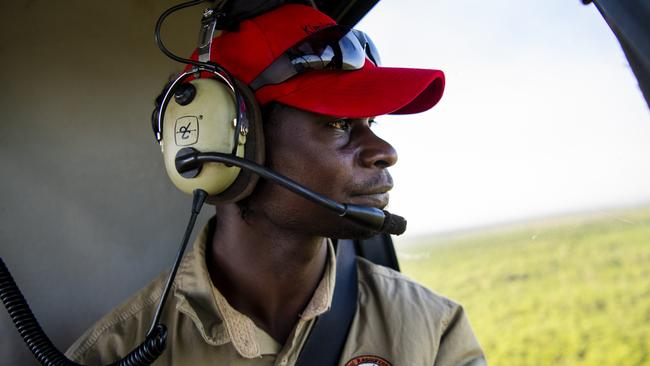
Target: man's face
[{"x": 339, "y": 158}]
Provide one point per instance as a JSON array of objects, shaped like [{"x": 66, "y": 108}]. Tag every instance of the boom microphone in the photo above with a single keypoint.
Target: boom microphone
[{"x": 189, "y": 162}]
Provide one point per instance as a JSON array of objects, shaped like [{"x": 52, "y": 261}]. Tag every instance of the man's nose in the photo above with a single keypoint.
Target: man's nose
[{"x": 375, "y": 152}]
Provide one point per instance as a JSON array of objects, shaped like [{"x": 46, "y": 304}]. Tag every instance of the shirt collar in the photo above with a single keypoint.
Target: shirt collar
[{"x": 217, "y": 321}]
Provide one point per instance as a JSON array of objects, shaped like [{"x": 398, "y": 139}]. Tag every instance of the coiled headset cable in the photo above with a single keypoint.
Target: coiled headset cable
[{"x": 40, "y": 344}]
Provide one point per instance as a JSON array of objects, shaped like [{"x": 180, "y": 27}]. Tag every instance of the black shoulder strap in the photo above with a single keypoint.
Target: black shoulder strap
[
  {"x": 329, "y": 333},
  {"x": 379, "y": 250}
]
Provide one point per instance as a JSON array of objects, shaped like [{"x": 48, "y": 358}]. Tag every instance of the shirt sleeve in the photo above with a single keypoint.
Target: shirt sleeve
[{"x": 458, "y": 345}]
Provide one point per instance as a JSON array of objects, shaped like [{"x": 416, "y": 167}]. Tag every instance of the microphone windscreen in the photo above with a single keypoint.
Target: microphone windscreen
[{"x": 393, "y": 224}]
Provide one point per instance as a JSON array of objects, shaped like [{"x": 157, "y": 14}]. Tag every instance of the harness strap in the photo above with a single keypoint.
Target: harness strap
[{"x": 328, "y": 335}]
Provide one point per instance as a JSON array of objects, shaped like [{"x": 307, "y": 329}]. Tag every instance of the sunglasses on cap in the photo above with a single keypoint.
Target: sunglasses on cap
[{"x": 332, "y": 48}]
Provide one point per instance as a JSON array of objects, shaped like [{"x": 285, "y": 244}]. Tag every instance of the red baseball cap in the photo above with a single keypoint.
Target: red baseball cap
[{"x": 366, "y": 92}]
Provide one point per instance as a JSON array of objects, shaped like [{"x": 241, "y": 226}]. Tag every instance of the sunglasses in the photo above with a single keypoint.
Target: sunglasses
[{"x": 332, "y": 48}]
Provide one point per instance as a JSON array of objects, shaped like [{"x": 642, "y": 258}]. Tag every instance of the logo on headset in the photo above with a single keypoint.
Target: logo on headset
[{"x": 186, "y": 131}]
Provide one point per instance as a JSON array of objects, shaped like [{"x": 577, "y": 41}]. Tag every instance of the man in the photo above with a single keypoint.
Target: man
[{"x": 264, "y": 269}]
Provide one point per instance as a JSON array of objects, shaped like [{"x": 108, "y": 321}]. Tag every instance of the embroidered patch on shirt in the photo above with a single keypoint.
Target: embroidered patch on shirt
[{"x": 368, "y": 361}]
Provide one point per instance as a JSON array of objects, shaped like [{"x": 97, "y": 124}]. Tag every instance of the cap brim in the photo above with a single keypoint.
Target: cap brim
[{"x": 368, "y": 92}]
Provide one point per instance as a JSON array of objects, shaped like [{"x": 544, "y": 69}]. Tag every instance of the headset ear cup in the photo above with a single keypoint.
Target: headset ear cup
[{"x": 254, "y": 151}]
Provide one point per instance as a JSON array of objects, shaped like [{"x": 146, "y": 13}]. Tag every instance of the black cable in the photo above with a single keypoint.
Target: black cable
[
  {"x": 197, "y": 203},
  {"x": 159, "y": 26},
  {"x": 42, "y": 347}
]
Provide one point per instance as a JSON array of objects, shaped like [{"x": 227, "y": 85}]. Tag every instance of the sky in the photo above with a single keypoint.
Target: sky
[{"x": 541, "y": 113}]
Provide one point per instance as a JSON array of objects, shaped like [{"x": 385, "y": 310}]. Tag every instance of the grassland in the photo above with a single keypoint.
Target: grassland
[{"x": 569, "y": 291}]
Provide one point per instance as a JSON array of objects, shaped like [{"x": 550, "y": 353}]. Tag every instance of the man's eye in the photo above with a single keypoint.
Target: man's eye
[{"x": 340, "y": 124}]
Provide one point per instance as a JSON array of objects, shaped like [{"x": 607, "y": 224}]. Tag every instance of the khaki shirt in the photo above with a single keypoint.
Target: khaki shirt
[{"x": 397, "y": 322}]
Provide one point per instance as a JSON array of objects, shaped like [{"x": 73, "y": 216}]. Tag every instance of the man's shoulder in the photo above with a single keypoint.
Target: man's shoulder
[
  {"x": 382, "y": 284},
  {"x": 408, "y": 324},
  {"x": 124, "y": 326}
]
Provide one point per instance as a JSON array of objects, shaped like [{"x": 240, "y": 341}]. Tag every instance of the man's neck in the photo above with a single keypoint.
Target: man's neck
[{"x": 264, "y": 272}]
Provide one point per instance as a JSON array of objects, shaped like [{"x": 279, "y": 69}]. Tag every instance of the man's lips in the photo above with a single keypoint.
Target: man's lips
[{"x": 376, "y": 197}]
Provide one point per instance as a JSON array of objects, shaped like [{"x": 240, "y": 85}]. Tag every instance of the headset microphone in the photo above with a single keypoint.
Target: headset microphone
[{"x": 189, "y": 163}]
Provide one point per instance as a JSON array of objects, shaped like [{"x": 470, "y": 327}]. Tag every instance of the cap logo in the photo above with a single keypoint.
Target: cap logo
[
  {"x": 368, "y": 361},
  {"x": 311, "y": 28}
]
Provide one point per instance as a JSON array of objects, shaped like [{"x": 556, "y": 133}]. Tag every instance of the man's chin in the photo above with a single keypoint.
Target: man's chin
[{"x": 350, "y": 230}]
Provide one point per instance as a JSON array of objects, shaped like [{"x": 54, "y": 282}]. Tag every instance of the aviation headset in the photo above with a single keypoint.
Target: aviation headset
[
  {"x": 217, "y": 113},
  {"x": 213, "y": 112},
  {"x": 210, "y": 127}
]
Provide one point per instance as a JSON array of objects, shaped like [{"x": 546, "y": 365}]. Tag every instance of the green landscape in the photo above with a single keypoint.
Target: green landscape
[{"x": 573, "y": 290}]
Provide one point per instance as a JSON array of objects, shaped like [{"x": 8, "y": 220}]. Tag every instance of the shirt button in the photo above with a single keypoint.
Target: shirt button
[{"x": 283, "y": 361}]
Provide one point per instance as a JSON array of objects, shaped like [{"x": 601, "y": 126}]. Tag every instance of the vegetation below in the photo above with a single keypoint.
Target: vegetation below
[{"x": 569, "y": 291}]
